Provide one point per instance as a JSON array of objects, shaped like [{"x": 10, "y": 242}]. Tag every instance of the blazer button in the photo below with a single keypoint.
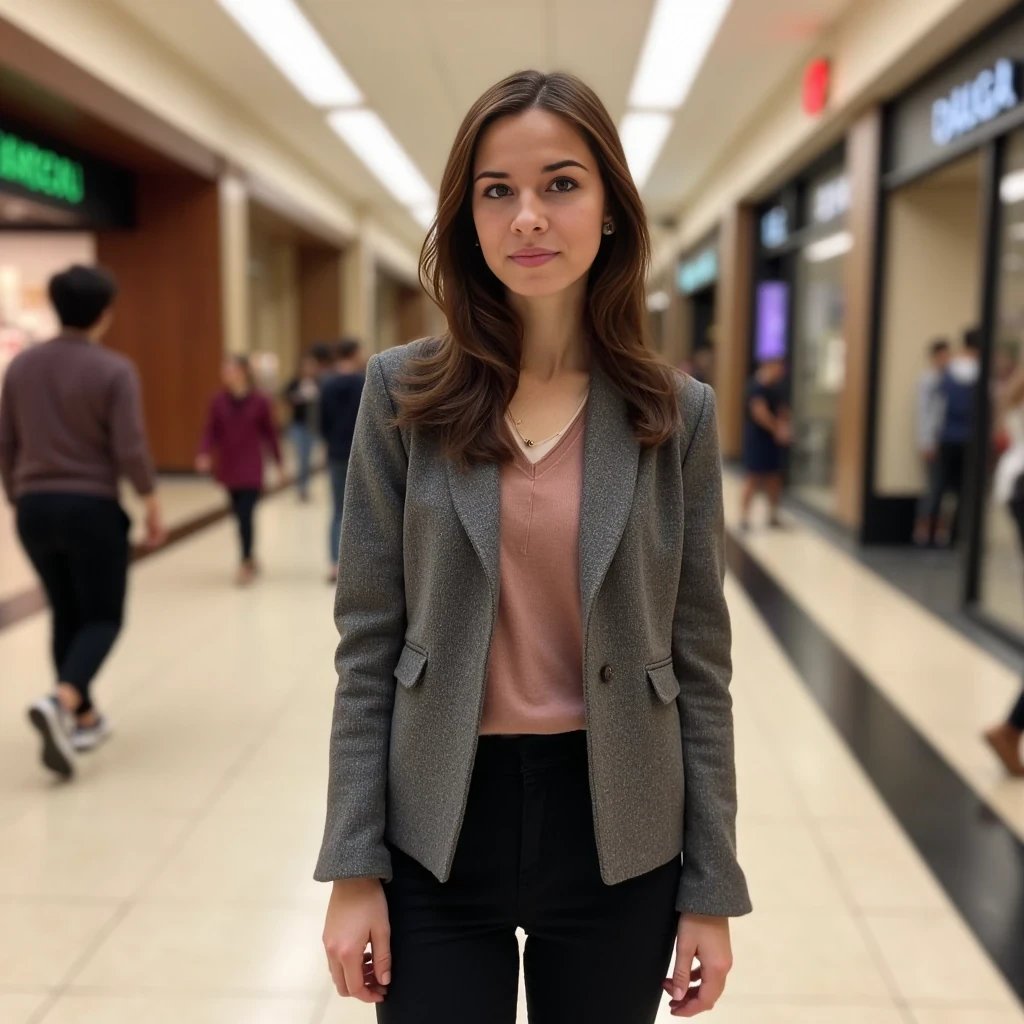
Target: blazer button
[{"x": 607, "y": 674}]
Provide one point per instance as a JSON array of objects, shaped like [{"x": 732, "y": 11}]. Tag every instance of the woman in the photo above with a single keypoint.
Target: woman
[
  {"x": 302, "y": 395},
  {"x": 1005, "y": 738},
  {"x": 239, "y": 430},
  {"x": 535, "y": 654},
  {"x": 767, "y": 434}
]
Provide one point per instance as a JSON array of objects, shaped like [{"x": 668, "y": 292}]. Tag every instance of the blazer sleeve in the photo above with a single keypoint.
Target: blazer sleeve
[
  {"x": 712, "y": 881},
  {"x": 369, "y": 612}
]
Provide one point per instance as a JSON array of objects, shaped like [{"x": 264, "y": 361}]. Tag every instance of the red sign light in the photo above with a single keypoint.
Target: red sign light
[{"x": 816, "y": 82}]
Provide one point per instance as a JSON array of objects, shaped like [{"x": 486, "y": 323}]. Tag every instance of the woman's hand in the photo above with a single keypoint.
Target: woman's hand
[
  {"x": 204, "y": 463},
  {"x": 707, "y": 939},
  {"x": 357, "y": 916}
]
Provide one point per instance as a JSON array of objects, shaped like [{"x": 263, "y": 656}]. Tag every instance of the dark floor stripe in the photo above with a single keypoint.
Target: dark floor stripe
[{"x": 977, "y": 859}]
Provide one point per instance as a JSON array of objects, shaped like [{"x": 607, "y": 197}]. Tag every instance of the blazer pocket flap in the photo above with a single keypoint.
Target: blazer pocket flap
[
  {"x": 409, "y": 670},
  {"x": 663, "y": 679}
]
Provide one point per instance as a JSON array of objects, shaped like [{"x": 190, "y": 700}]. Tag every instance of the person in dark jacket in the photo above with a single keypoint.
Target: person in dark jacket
[
  {"x": 956, "y": 391},
  {"x": 339, "y": 404},
  {"x": 239, "y": 431},
  {"x": 766, "y": 436},
  {"x": 70, "y": 427}
]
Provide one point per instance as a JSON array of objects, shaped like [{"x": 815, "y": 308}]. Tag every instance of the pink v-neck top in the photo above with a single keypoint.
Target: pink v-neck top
[{"x": 535, "y": 681}]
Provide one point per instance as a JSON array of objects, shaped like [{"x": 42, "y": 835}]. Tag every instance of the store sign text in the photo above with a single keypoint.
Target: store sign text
[
  {"x": 775, "y": 227},
  {"x": 40, "y": 170},
  {"x": 991, "y": 93},
  {"x": 831, "y": 200},
  {"x": 699, "y": 272}
]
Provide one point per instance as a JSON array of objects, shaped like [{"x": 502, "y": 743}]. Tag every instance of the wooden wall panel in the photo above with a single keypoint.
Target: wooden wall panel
[
  {"x": 320, "y": 316},
  {"x": 412, "y": 314},
  {"x": 168, "y": 313},
  {"x": 732, "y": 347},
  {"x": 863, "y": 161}
]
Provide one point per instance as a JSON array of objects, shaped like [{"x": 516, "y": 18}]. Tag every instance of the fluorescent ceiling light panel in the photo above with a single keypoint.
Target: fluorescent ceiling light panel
[
  {"x": 679, "y": 36},
  {"x": 830, "y": 247},
  {"x": 284, "y": 34},
  {"x": 424, "y": 214},
  {"x": 643, "y": 135},
  {"x": 371, "y": 140}
]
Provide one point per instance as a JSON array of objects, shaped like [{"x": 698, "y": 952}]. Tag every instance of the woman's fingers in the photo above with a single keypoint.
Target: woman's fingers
[{"x": 352, "y": 965}]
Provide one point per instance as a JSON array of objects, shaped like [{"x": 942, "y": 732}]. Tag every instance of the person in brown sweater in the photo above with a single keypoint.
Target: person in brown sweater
[{"x": 70, "y": 427}]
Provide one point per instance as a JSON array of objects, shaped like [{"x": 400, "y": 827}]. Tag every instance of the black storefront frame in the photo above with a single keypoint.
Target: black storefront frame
[
  {"x": 989, "y": 141},
  {"x": 793, "y": 197}
]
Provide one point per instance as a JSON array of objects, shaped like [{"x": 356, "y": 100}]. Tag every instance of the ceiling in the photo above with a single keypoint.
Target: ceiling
[{"x": 421, "y": 63}]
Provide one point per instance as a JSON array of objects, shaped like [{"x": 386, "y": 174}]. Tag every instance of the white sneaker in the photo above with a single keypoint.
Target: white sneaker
[
  {"x": 89, "y": 737},
  {"x": 55, "y": 725}
]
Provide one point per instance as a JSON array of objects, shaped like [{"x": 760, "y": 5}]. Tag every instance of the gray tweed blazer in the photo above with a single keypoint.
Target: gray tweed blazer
[{"x": 415, "y": 608}]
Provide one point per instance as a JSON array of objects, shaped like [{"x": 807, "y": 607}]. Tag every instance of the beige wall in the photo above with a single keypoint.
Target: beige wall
[
  {"x": 876, "y": 50},
  {"x": 930, "y": 290},
  {"x": 274, "y": 299}
]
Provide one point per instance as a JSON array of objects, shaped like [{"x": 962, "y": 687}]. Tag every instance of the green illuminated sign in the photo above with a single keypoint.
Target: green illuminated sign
[{"x": 40, "y": 170}]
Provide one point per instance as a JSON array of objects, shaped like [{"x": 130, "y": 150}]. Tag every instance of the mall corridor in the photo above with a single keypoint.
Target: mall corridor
[{"x": 172, "y": 881}]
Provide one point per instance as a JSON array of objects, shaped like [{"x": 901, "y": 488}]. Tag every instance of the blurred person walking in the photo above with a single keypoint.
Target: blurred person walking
[
  {"x": 1005, "y": 738},
  {"x": 70, "y": 427},
  {"x": 239, "y": 432},
  {"x": 768, "y": 434},
  {"x": 930, "y": 414},
  {"x": 339, "y": 406},
  {"x": 957, "y": 392},
  {"x": 303, "y": 397},
  {"x": 534, "y": 660}
]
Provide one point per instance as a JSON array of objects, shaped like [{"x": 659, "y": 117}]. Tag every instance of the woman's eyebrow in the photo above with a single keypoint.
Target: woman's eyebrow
[{"x": 544, "y": 170}]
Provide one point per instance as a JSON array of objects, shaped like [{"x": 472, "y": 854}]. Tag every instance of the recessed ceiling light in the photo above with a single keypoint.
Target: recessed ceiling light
[
  {"x": 643, "y": 134},
  {"x": 371, "y": 140},
  {"x": 285, "y": 35},
  {"x": 679, "y": 35}
]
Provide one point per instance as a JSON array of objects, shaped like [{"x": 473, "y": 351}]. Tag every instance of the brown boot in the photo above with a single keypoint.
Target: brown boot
[{"x": 1005, "y": 741}]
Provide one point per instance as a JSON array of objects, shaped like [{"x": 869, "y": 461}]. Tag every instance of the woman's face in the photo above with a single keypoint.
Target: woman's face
[
  {"x": 538, "y": 203},
  {"x": 233, "y": 376}
]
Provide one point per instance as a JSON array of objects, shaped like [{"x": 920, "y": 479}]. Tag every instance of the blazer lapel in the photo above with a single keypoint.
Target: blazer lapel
[
  {"x": 476, "y": 494},
  {"x": 611, "y": 456}
]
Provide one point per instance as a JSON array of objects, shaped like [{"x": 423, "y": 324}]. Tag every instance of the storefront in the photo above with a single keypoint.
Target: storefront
[
  {"x": 54, "y": 198},
  {"x": 952, "y": 262},
  {"x": 798, "y": 315},
  {"x": 697, "y": 283},
  {"x": 73, "y": 189}
]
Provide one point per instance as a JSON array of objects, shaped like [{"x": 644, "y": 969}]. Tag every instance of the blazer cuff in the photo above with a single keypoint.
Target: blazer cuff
[
  {"x": 333, "y": 868},
  {"x": 709, "y": 899}
]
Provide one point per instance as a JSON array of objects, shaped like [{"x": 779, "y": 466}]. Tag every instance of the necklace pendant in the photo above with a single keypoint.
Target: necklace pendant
[{"x": 529, "y": 444}]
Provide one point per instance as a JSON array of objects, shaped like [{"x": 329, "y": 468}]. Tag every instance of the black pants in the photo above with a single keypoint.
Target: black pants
[
  {"x": 79, "y": 547},
  {"x": 243, "y": 505},
  {"x": 527, "y": 857},
  {"x": 948, "y": 478}
]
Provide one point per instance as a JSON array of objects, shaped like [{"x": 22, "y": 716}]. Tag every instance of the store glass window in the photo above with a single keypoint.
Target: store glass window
[
  {"x": 819, "y": 353},
  {"x": 1001, "y": 567}
]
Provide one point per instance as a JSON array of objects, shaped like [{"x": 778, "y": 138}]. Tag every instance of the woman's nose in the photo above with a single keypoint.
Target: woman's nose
[{"x": 529, "y": 217}]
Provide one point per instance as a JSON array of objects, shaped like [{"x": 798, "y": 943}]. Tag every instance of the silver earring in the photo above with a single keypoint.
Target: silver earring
[{"x": 609, "y": 228}]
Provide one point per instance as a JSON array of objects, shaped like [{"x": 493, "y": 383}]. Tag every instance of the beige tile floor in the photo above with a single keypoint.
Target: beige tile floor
[
  {"x": 183, "y": 498},
  {"x": 171, "y": 883},
  {"x": 944, "y": 684}
]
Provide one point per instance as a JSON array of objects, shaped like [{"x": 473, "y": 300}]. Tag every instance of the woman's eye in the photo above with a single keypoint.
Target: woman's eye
[
  {"x": 490, "y": 192},
  {"x": 563, "y": 185}
]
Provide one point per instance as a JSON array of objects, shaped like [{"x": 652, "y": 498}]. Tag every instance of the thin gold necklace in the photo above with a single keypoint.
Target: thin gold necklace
[{"x": 531, "y": 444}]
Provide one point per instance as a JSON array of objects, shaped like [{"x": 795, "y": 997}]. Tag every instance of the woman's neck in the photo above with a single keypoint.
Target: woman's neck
[{"x": 554, "y": 338}]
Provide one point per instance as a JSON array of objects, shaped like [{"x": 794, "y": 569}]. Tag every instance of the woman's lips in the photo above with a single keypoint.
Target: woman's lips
[{"x": 533, "y": 259}]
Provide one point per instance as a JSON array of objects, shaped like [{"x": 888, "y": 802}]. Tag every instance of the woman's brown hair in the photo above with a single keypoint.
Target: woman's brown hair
[{"x": 461, "y": 386}]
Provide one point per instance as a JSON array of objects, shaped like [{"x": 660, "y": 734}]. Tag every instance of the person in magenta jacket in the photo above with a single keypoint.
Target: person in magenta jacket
[{"x": 239, "y": 432}]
